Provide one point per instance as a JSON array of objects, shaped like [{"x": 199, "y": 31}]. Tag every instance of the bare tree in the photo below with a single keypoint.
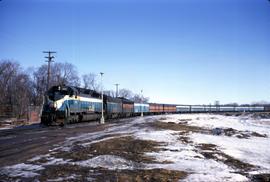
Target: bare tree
[
  {"x": 262, "y": 102},
  {"x": 125, "y": 93},
  {"x": 15, "y": 87},
  {"x": 110, "y": 93},
  {"x": 139, "y": 98},
  {"x": 90, "y": 82},
  {"x": 134, "y": 97},
  {"x": 22, "y": 94},
  {"x": 65, "y": 74},
  {"x": 39, "y": 86},
  {"x": 61, "y": 74},
  {"x": 8, "y": 71}
]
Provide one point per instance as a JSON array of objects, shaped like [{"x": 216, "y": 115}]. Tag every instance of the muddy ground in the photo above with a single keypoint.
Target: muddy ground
[{"x": 37, "y": 153}]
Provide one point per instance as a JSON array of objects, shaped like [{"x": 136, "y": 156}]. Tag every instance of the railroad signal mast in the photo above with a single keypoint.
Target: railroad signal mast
[{"x": 50, "y": 59}]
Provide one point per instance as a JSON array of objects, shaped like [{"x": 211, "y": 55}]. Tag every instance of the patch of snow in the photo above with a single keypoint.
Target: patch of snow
[
  {"x": 218, "y": 156},
  {"x": 111, "y": 162},
  {"x": 21, "y": 170},
  {"x": 49, "y": 160},
  {"x": 101, "y": 140},
  {"x": 55, "y": 161},
  {"x": 73, "y": 176},
  {"x": 35, "y": 158},
  {"x": 241, "y": 123},
  {"x": 201, "y": 169},
  {"x": 218, "y": 177},
  {"x": 158, "y": 136},
  {"x": 255, "y": 150}
]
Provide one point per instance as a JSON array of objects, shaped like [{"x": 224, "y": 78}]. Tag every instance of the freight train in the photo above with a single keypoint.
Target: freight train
[{"x": 68, "y": 104}]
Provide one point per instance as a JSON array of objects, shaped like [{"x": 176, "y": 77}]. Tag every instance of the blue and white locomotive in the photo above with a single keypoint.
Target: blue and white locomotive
[{"x": 65, "y": 104}]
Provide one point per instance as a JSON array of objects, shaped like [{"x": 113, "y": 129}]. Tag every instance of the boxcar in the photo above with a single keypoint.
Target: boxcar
[
  {"x": 127, "y": 107},
  {"x": 169, "y": 108},
  {"x": 156, "y": 108}
]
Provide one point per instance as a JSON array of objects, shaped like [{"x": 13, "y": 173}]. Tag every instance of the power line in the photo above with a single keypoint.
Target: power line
[{"x": 50, "y": 59}]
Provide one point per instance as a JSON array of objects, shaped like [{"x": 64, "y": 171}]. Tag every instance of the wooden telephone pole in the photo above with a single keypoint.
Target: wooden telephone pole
[{"x": 50, "y": 59}]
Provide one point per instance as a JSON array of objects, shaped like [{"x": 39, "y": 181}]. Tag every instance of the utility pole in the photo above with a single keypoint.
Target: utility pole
[
  {"x": 141, "y": 103},
  {"x": 116, "y": 93},
  {"x": 102, "y": 120},
  {"x": 50, "y": 59}
]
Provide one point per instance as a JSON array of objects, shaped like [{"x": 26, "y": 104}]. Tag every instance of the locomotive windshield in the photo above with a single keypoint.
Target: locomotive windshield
[{"x": 57, "y": 93}]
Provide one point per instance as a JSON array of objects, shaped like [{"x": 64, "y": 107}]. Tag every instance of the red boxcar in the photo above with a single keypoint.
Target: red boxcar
[
  {"x": 169, "y": 108},
  {"x": 155, "y": 108}
]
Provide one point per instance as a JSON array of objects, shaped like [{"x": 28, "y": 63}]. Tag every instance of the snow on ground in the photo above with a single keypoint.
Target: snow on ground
[
  {"x": 253, "y": 150},
  {"x": 72, "y": 177},
  {"x": 183, "y": 157},
  {"x": 243, "y": 123},
  {"x": 174, "y": 154},
  {"x": 22, "y": 170},
  {"x": 158, "y": 136},
  {"x": 107, "y": 161}
]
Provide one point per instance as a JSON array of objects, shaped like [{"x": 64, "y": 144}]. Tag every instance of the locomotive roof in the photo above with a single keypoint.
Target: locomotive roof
[
  {"x": 112, "y": 99},
  {"x": 76, "y": 90},
  {"x": 83, "y": 91}
]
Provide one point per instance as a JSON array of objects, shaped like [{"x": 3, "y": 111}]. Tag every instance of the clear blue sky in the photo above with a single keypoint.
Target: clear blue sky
[{"x": 177, "y": 51}]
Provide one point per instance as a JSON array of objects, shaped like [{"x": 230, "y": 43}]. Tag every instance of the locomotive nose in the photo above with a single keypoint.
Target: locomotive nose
[{"x": 51, "y": 105}]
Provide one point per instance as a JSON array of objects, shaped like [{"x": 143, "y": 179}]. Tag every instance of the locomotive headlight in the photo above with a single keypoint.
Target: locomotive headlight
[{"x": 52, "y": 105}]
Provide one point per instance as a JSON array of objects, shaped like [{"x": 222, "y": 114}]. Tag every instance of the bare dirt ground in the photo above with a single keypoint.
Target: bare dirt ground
[
  {"x": 22, "y": 145},
  {"x": 122, "y": 150}
]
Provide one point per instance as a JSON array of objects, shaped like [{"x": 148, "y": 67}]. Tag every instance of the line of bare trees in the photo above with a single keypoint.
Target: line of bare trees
[
  {"x": 126, "y": 93},
  {"x": 21, "y": 88}
]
